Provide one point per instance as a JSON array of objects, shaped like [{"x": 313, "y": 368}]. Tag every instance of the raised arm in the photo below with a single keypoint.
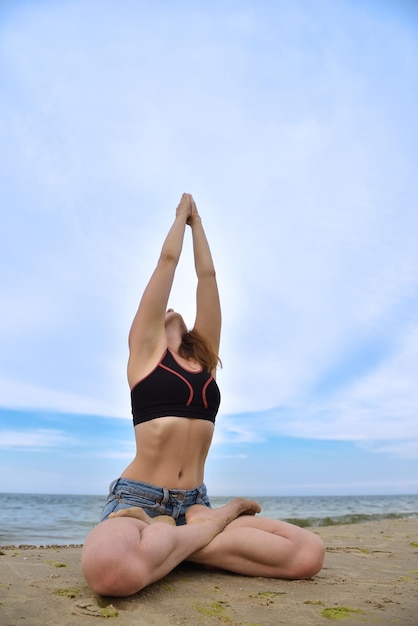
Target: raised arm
[
  {"x": 208, "y": 308},
  {"x": 147, "y": 334}
]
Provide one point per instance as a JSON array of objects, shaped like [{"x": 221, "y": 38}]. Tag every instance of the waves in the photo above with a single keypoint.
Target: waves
[
  {"x": 314, "y": 511},
  {"x": 312, "y": 522},
  {"x": 44, "y": 519}
]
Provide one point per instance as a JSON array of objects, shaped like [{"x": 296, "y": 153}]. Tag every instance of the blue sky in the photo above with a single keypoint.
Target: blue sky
[{"x": 294, "y": 125}]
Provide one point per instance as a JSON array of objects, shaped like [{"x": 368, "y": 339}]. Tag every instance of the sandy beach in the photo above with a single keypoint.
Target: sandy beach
[{"x": 370, "y": 577}]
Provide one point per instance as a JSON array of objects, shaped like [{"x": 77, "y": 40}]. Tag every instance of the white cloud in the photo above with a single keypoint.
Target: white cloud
[
  {"x": 35, "y": 440},
  {"x": 234, "y": 431},
  {"x": 18, "y": 394},
  {"x": 377, "y": 410},
  {"x": 403, "y": 449}
]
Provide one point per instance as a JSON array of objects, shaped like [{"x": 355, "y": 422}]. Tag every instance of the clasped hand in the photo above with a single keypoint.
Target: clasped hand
[{"x": 188, "y": 208}]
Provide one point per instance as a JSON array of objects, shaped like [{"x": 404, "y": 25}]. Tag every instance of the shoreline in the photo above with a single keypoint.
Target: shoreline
[
  {"x": 317, "y": 529},
  {"x": 370, "y": 576}
]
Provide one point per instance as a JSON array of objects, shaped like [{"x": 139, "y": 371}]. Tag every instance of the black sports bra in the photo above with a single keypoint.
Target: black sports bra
[{"x": 172, "y": 390}]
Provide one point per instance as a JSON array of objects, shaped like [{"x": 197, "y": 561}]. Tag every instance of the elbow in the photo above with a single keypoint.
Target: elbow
[
  {"x": 168, "y": 258},
  {"x": 206, "y": 273}
]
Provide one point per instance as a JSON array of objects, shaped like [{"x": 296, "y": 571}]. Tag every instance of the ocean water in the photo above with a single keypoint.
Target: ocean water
[{"x": 40, "y": 519}]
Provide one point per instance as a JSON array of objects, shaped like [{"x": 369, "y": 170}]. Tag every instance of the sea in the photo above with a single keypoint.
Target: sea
[{"x": 50, "y": 520}]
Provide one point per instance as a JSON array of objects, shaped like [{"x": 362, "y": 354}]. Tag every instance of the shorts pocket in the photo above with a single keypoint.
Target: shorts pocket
[{"x": 137, "y": 499}]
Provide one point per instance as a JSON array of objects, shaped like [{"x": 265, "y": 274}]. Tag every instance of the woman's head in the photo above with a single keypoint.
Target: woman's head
[
  {"x": 175, "y": 320},
  {"x": 194, "y": 346}
]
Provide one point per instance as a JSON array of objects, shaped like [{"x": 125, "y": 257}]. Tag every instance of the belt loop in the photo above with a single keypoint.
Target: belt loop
[
  {"x": 166, "y": 496},
  {"x": 200, "y": 494},
  {"x": 113, "y": 485}
]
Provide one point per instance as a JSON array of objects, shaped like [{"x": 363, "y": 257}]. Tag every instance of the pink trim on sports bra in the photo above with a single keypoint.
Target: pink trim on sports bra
[{"x": 164, "y": 367}]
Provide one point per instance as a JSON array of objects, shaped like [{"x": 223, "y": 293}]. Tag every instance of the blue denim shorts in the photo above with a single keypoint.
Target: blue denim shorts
[{"x": 125, "y": 493}]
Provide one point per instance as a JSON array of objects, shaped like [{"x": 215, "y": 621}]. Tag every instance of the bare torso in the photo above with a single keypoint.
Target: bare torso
[{"x": 171, "y": 452}]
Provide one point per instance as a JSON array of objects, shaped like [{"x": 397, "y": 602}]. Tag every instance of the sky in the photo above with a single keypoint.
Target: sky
[{"x": 294, "y": 126}]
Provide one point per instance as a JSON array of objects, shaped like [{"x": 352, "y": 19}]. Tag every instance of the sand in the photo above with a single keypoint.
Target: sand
[{"x": 370, "y": 577}]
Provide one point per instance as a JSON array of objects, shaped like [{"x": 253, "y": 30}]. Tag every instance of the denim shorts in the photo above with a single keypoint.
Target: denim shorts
[{"x": 125, "y": 493}]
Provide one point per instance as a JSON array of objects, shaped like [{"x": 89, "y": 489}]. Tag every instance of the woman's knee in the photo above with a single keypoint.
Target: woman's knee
[
  {"x": 311, "y": 560},
  {"x": 111, "y": 564}
]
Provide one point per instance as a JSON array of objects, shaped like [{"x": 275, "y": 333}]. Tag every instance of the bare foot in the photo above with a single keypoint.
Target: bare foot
[
  {"x": 165, "y": 519},
  {"x": 224, "y": 514},
  {"x": 138, "y": 513}
]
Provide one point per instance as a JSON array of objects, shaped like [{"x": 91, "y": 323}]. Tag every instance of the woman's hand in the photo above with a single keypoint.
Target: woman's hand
[
  {"x": 185, "y": 206},
  {"x": 193, "y": 215}
]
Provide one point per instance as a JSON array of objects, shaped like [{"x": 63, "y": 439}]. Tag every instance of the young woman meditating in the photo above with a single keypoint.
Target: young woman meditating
[{"x": 158, "y": 513}]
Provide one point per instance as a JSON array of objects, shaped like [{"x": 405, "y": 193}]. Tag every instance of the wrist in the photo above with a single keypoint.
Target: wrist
[
  {"x": 182, "y": 217},
  {"x": 193, "y": 220}
]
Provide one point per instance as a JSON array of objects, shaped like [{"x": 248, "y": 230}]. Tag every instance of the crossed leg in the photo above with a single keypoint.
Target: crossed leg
[
  {"x": 259, "y": 546},
  {"x": 125, "y": 554},
  {"x": 254, "y": 546}
]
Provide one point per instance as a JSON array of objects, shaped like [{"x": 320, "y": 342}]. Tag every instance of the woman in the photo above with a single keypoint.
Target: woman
[{"x": 158, "y": 513}]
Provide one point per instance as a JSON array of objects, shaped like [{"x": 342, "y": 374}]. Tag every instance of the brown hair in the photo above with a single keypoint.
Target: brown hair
[{"x": 194, "y": 346}]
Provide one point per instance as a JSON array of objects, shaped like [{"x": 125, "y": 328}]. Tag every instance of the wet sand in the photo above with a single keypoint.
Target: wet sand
[{"x": 370, "y": 577}]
